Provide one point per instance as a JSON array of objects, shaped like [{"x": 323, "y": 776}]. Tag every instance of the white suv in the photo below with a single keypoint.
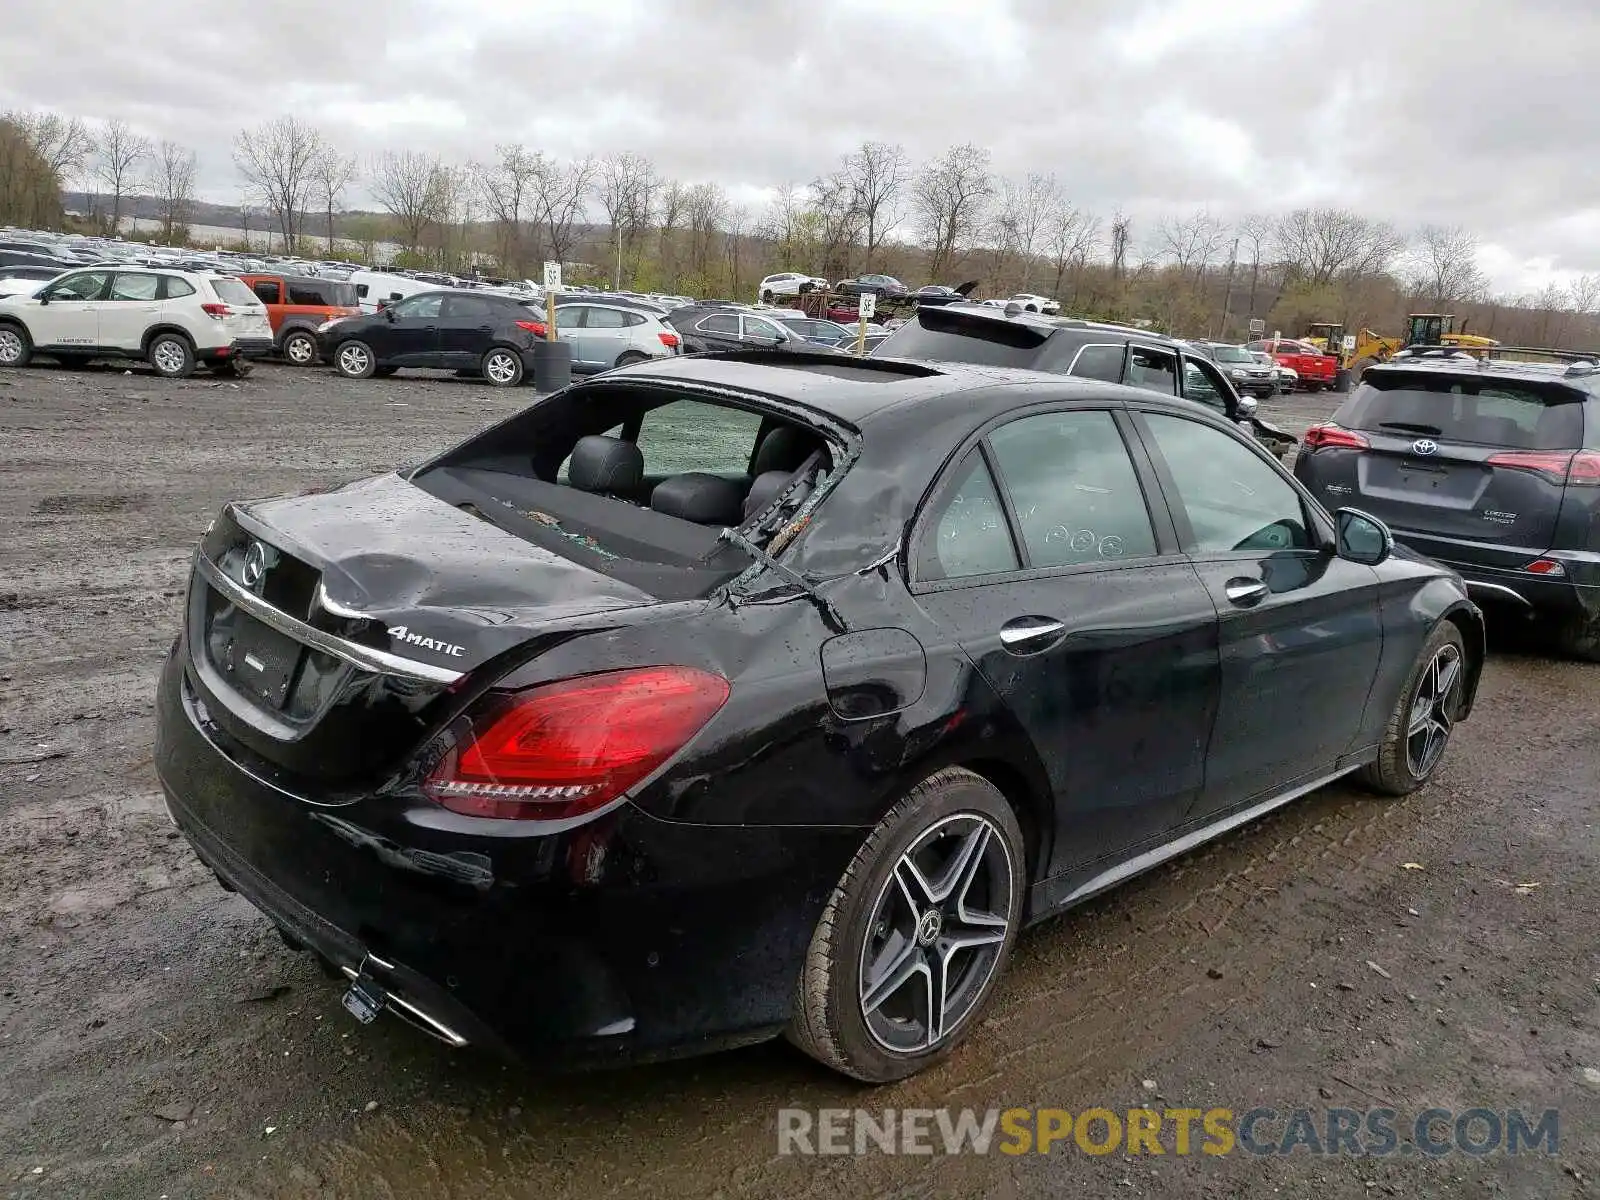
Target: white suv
[
  {"x": 789, "y": 283},
  {"x": 170, "y": 319}
]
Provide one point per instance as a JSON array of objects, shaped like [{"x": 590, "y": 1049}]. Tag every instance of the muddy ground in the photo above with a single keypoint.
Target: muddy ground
[{"x": 158, "y": 1040}]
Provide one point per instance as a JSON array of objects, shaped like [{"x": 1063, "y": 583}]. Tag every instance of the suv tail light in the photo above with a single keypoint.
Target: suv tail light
[
  {"x": 1577, "y": 470},
  {"x": 564, "y": 749},
  {"x": 217, "y": 312},
  {"x": 669, "y": 340},
  {"x": 537, "y": 328},
  {"x": 1331, "y": 436}
]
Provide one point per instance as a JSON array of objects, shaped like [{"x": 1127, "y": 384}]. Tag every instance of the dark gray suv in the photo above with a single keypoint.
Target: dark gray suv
[
  {"x": 1011, "y": 337},
  {"x": 1491, "y": 466}
]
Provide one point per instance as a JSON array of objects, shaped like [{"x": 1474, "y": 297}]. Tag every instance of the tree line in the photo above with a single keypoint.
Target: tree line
[{"x": 618, "y": 219}]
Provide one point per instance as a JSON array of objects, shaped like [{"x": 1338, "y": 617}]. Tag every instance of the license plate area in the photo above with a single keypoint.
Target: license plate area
[{"x": 258, "y": 661}]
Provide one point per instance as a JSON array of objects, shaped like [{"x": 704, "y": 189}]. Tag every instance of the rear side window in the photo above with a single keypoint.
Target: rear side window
[
  {"x": 968, "y": 535},
  {"x": 268, "y": 291},
  {"x": 173, "y": 288},
  {"x": 1073, "y": 488},
  {"x": 1488, "y": 412},
  {"x": 133, "y": 286},
  {"x": 467, "y": 306},
  {"x": 1099, "y": 362},
  {"x": 606, "y": 318}
]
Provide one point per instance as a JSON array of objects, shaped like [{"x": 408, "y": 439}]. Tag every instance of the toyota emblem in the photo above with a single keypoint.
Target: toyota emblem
[
  {"x": 1424, "y": 446},
  {"x": 255, "y": 564}
]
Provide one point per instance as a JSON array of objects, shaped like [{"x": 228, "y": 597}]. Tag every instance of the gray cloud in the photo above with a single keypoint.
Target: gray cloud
[{"x": 1473, "y": 112}]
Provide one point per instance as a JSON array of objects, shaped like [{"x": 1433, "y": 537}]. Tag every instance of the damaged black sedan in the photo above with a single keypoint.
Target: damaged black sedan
[{"x": 773, "y": 693}]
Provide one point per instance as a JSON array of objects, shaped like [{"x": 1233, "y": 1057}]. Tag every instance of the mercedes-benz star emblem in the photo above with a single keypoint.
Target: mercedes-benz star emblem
[
  {"x": 255, "y": 564},
  {"x": 1425, "y": 446},
  {"x": 929, "y": 927}
]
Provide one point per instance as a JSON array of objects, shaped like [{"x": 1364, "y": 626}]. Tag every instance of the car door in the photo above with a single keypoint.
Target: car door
[
  {"x": 1299, "y": 627},
  {"x": 570, "y": 328},
  {"x": 758, "y": 331},
  {"x": 466, "y": 330},
  {"x": 719, "y": 331},
  {"x": 1042, "y": 557},
  {"x": 130, "y": 308},
  {"x": 409, "y": 336},
  {"x": 606, "y": 335},
  {"x": 69, "y": 312}
]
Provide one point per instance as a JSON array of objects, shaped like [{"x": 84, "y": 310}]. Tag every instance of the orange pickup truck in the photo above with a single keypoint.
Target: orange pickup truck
[
  {"x": 296, "y": 305},
  {"x": 1316, "y": 369}
]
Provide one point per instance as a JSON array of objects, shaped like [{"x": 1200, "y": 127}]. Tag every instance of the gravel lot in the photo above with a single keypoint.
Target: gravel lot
[{"x": 157, "y": 1039}]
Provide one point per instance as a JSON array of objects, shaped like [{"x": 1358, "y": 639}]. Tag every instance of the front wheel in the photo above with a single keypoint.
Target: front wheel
[
  {"x": 1424, "y": 716},
  {"x": 300, "y": 349},
  {"x": 916, "y": 933},
  {"x": 355, "y": 360},
  {"x": 630, "y": 358},
  {"x": 502, "y": 367}
]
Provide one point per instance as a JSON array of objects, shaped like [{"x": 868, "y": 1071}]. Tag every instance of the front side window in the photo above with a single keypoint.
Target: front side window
[
  {"x": 134, "y": 287},
  {"x": 423, "y": 307},
  {"x": 1073, "y": 488},
  {"x": 87, "y": 285},
  {"x": 968, "y": 534},
  {"x": 1235, "y": 501}
]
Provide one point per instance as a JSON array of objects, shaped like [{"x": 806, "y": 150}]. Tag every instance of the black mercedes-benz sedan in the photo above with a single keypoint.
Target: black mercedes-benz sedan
[{"x": 773, "y": 693}]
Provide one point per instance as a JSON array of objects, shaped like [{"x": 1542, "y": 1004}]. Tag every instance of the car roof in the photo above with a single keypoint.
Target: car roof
[{"x": 1575, "y": 370}]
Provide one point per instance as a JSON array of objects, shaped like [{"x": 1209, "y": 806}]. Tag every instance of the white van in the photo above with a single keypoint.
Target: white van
[{"x": 375, "y": 286}]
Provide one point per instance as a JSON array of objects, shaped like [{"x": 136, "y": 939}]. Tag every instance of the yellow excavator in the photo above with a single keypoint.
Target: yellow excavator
[{"x": 1422, "y": 329}]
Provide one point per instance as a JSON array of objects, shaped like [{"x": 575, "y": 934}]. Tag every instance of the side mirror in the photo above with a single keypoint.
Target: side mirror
[
  {"x": 1362, "y": 538},
  {"x": 44, "y": 297},
  {"x": 1248, "y": 406}
]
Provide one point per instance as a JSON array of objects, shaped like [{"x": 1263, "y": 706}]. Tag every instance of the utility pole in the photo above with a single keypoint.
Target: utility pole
[{"x": 1227, "y": 295}]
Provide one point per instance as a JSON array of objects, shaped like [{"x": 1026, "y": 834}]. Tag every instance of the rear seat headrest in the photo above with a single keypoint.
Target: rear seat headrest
[
  {"x": 605, "y": 464},
  {"x": 785, "y": 448},
  {"x": 703, "y": 499}
]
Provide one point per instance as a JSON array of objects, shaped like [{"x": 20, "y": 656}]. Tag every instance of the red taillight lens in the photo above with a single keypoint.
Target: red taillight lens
[
  {"x": 217, "y": 312},
  {"x": 669, "y": 340},
  {"x": 1321, "y": 437},
  {"x": 537, "y": 328},
  {"x": 1585, "y": 470},
  {"x": 564, "y": 749},
  {"x": 1545, "y": 566},
  {"x": 1553, "y": 466}
]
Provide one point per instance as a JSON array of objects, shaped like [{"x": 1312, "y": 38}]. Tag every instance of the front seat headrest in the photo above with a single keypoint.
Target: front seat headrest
[
  {"x": 766, "y": 488},
  {"x": 703, "y": 499},
  {"x": 605, "y": 464},
  {"x": 785, "y": 448}
]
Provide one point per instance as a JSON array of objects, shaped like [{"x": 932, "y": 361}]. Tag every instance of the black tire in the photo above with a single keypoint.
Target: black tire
[
  {"x": 630, "y": 357},
  {"x": 1401, "y": 766},
  {"x": 299, "y": 348},
  {"x": 872, "y": 912},
  {"x": 354, "y": 359},
  {"x": 1578, "y": 637},
  {"x": 766, "y": 296},
  {"x": 16, "y": 347},
  {"x": 171, "y": 355},
  {"x": 1313, "y": 387},
  {"x": 232, "y": 368},
  {"x": 1033, "y": 308},
  {"x": 386, "y": 372},
  {"x": 502, "y": 367}
]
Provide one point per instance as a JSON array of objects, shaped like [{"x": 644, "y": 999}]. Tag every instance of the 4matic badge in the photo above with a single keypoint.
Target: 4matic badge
[{"x": 401, "y": 634}]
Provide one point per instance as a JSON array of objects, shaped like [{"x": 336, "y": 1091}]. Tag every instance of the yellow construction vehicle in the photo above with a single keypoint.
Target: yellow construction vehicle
[{"x": 1422, "y": 329}]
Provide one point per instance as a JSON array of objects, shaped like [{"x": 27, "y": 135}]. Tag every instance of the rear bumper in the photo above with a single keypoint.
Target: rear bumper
[
  {"x": 624, "y": 939},
  {"x": 1578, "y": 594},
  {"x": 243, "y": 348}
]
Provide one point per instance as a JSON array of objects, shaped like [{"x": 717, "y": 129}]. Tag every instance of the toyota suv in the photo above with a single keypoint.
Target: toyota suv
[
  {"x": 1491, "y": 466},
  {"x": 1013, "y": 337},
  {"x": 170, "y": 319}
]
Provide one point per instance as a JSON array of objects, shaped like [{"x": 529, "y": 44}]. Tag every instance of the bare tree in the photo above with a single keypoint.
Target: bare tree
[
  {"x": 120, "y": 153},
  {"x": 673, "y": 195},
  {"x": 1070, "y": 235},
  {"x": 1019, "y": 223},
  {"x": 1255, "y": 232},
  {"x": 734, "y": 224},
  {"x": 506, "y": 186},
  {"x": 704, "y": 206},
  {"x": 1319, "y": 245},
  {"x": 171, "y": 181},
  {"x": 64, "y": 143},
  {"x": 278, "y": 161},
  {"x": 837, "y": 220},
  {"x": 949, "y": 198},
  {"x": 877, "y": 175},
  {"x": 560, "y": 193},
  {"x": 1445, "y": 266},
  {"x": 1190, "y": 243},
  {"x": 624, "y": 185},
  {"x": 406, "y": 183},
  {"x": 1583, "y": 293},
  {"x": 1121, "y": 235},
  {"x": 331, "y": 175}
]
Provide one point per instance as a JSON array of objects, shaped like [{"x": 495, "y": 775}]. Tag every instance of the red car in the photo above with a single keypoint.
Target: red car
[{"x": 1316, "y": 369}]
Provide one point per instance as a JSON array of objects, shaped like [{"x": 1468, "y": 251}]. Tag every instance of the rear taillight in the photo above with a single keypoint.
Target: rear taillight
[
  {"x": 1547, "y": 567},
  {"x": 1579, "y": 470},
  {"x": 669, "y": 340},
  {"x": 564, "y": 749},
  {"x": 1333, "y": 437},
  {"x": 217, "y": 312},
  {"x": 537, "y": 328}
]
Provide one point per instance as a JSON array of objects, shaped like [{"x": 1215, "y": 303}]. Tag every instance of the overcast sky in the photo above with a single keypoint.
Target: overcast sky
[{"x": 1472, "y": 112}]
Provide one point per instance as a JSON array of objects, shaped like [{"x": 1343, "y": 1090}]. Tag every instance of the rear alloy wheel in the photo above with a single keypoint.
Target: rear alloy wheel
[
  {"x": 1424, "y": 716},
  {"x": 300, "y": 349},
  {"x": 913, "y": 938},
  {"x": 171, "y": 356},
  {"x": 355, "y": 360},
  {"x": 502, "y": 368},
  {"x": 15, "y": 346},
  {"x": 766, "y": 296}
]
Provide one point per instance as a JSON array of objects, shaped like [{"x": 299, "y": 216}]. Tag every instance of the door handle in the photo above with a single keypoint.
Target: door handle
[
  {"x": 1029, "y": 635},
  {"x": 1246, "y": 593}
]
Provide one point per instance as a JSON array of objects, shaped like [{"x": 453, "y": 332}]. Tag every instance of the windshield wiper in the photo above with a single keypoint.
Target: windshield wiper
[
  {"x": 1406, "y": 427},
  {"x": 829, "y": 614}
]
